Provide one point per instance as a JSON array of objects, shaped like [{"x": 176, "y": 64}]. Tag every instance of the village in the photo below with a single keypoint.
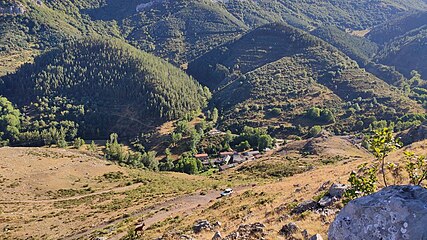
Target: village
[
  {"x": 227, "y": 160},
  {"x": 230, "y": 159}
]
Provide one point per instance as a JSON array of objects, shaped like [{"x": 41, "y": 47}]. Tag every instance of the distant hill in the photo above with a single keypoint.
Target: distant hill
[
  {"x": 404, "y": 43},
  {"x": 177, "y": 30},
  {"x": 42, "y": 25},
  {"x": 120, "y": 88},
  {"x": 275, "y": 73},
  {"x": 357, "y": 15},
  {"x": 394, "y": 28}
]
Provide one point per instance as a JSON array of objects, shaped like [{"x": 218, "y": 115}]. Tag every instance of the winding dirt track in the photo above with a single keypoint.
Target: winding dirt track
[
  {"x": 159, "y": 212},
  {"x": 113, "y": 190}
]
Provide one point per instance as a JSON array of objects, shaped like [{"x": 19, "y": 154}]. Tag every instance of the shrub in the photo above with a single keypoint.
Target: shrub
[
  {"x": 315, "y": 131},
  {"x": 78, "y": 143}
]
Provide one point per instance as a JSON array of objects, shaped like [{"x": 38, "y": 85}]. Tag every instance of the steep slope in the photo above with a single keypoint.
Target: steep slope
[
  {"x": 175, "y": 30},
  {"x": 342, "y": 13},
  {"x": 35, "y": 26},
  {"x": 275, "y": 73},
  {"x": 394, "y": 28},
  {"x": 119, "y": 88},
  {"x": 404, "y": 43},
  {"x": 357, "y": 48}
]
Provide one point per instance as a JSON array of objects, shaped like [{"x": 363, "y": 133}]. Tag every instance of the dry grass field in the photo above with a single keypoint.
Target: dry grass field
[
  {"x": 54, "y": 193},
  {"x": 68, "y": 194}
]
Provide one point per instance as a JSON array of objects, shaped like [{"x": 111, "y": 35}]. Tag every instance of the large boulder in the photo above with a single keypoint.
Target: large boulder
[{"x": 396, "y": 212}]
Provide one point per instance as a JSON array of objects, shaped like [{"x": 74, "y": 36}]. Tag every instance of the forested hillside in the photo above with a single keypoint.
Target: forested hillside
[
  {"x": 342, "y": 13},
  {"x": 40, "y": 25},
  {"x": 181, "y": 30},
  {"x": 275, "y": 74},
  {"x": 103, "y": 87},
  {"x": 217, "y": 42},
  {"x": 357, "y": 48},
  {"x": 404, "y": 43}
]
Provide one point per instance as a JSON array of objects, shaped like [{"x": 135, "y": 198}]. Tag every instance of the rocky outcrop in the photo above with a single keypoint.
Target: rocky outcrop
[
  {"x": 289, "y": 229},
  {"x": 396, "y": 212},
  {"x": 202, "y": 225},
  {"x": 305, "y": 206},
  {"x": 217, "y": 236},
  {"x": 248, "y": 232},
  {"x": 337, "y": 190}
]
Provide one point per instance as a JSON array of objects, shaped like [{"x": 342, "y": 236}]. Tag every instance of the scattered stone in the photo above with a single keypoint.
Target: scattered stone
[
  {"x": 396, "y": 212},
  {"x": 186, "y": 237},
  {"x": 316, "y": 237},
  {"x": 337, "y": 190},
  {"x": 202, "y": 225},
  {"x": 217, "y": 224},
  {"x": 248, "y": 232},
  {"x": 283, "y": 218},
  {"x": 289, "y": 229},
  {"x": 326, "y": 201},
  {"x": 304, "y": 234},
  {"x": 305, "y": 206},
  {"x": 324, "y": 186},
  {"x": 175, "y": 236},
  {"x": 217, "y": 236}
]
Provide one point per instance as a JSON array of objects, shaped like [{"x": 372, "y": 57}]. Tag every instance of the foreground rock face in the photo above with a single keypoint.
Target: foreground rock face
[{"x": 397, "y": 212}]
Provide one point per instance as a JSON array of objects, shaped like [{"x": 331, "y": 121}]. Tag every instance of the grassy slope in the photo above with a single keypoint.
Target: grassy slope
[
  {"x": 271, "y": 204},
  {"x": 61, "y": 174}
]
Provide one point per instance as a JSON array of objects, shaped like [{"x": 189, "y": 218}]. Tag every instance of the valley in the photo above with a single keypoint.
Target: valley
[{"x": 205, "y": 119}]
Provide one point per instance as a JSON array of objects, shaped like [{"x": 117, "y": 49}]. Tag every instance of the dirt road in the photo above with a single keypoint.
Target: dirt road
[
  {"x": 113, "y": 190},
  {"x": 179, "y": 205}
]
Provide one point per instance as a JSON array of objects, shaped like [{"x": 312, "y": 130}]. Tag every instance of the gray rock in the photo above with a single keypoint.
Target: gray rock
[
  {"x": 326, "y": 201},
  {"x": 316, "y": 237},
  {"x": 201, "y": 225},
  {"x": 249, "y": 231},
  {"x": 304, "y": 234},
  {"x": 289, "y": 229},
  {"x": 217, "y": 236},
  {"x": 305, "y": 206},
  {"x": 337, "y": 190},
  {"x": 395, "y": 213}
]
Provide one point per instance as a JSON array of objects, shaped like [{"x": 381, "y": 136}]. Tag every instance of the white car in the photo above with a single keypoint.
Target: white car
[{"x": 227, "y": 192}]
